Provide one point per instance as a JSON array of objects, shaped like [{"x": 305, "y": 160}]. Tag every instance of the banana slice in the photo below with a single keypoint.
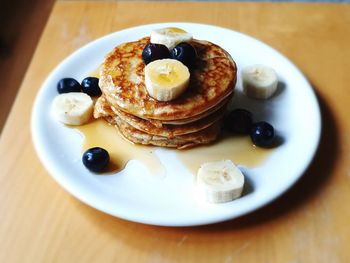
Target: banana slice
[
  {"x": 170, "y": 36},
  {"x": 73, "y": 108},
  {"x": 259, "y": 81},
  {"x": 220, "y": 182},
  {"x": 166, "y": 79}
]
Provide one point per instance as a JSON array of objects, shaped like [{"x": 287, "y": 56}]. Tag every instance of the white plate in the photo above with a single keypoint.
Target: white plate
[{"x": 168, "y": 200}]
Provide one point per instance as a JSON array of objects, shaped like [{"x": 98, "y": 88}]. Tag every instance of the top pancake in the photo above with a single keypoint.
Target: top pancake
[{"x": 122, "y": 82}]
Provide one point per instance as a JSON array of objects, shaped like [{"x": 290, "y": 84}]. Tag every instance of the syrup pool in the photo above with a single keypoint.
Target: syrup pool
[{"x": 239, "y": 149}]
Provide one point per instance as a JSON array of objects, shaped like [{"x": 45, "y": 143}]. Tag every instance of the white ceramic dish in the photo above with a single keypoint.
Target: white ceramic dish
[{"x": 134, "y": 194}]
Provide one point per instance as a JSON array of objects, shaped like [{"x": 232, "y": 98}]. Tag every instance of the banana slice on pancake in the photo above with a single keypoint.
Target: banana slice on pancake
[
  {"x": 166, "y": 79},
  {"x": 220, "y": 181},
  {"x": 170, "y": 36}
]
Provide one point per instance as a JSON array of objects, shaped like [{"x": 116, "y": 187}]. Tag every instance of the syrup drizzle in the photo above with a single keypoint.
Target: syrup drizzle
[{"x": 239, "y": 149}]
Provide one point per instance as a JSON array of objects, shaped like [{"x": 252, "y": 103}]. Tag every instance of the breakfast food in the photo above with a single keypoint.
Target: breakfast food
[
  {"x": 152, "y": 52},
  {"x": 96, "y": 159},
  {"x": 73, "y": 108},
  {"x": 185, "y": 53},
  {"x": 66, "y": 85},
  {"x": 191, "y": 117},
  {"x": 170, "y": 36},
  {"x": 262, "y": 134},
  {"x": 259, "y": 81},
  {"x": 166, "y": 79},
  {"x": 220, "y": 181},
  {"x": 239, "y": 121},
  {"x": 90, "y": 86}
]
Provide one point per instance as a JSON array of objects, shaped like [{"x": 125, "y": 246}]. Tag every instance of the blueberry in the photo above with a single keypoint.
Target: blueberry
[
  {"x": 239, "y": 121},
  {"x": 153, "y": 52},
  {"x": 96, "y": 159},
  {"x": 90, "y": 86},
  {"x": 185, "y": 53},
  {"x": 68, "y": 85},
  {"x": 262, "y": 134}
]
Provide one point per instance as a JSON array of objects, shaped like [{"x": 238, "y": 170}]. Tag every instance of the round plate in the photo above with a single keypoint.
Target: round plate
[{"x": 168, "y": 200}]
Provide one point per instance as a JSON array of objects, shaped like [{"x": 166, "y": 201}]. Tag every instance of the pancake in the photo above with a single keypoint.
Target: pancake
[
  {"x": 134, "y": 135},
  {"x": 103, "y": 109},
  {"x": 122, "y": 82},
  {"x": 192, "y": 119}
]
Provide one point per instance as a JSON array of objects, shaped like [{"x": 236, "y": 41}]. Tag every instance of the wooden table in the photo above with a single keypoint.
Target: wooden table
[{"x": 41, "y": 222}]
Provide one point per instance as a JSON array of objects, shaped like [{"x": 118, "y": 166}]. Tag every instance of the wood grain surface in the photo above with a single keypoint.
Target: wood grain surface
[{"x": 41, "y": 222}]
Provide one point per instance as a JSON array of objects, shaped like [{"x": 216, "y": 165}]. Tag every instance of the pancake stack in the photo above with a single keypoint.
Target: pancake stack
[{"x": 192, "y": 119}]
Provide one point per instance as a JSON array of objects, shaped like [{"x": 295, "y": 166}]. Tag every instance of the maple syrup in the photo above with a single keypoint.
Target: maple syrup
[{"x": 239, "y": 149}]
